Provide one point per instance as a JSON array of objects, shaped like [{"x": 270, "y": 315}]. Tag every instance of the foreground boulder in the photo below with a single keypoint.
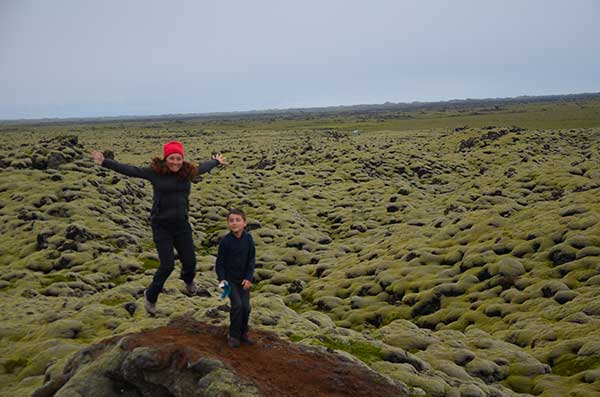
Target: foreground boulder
[{"x": 191, "y": 358}]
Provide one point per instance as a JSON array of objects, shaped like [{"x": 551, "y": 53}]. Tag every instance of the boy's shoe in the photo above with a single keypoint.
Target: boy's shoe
[
  {"x": 191, "y": 288},
  {"x": 246, "y": 340},
  {"x": 233, "y": 342},
  {"x": 149, "y": 306}
]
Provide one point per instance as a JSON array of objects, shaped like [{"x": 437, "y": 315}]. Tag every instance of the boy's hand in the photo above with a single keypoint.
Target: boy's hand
[{"x": 246, "y": 284}]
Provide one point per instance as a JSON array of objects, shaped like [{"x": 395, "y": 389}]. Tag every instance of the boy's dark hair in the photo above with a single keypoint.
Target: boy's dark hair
[{"x": 236, "y": 211}]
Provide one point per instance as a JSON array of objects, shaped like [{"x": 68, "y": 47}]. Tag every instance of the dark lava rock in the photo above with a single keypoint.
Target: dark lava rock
[
  {"x": 359, "y": 227},
  {"x": 43, "y": 201},
  {"x": 510, "y": 172},
  {"x": 410, "y": 256},
  {"x": 213, "y": 313},
  {"x": 78, "y": 233},
  {"x": 205, "y": 365},
  {"x": 421, "y": 171},
  {"x": 467, "y": 144},
  {"x": 269, "y": 321},
  {"x": 563, "y": 297},
  {"x": 296, "y": 286},
  {"x": 68, "y": 245},
  {"x": 204, "y": 292},
  {"x": 55, "y": 159},
  {"x": 263, "y": 164},
  {"x": 427, "y": 305},
  {"x": 484, "y": 275},
  {"x": 393, "y": 208},
  {"x": 556, "y": 194},
  {"x": 131, "y": 307},
  {"x": 39, "y": 162},
  {"x": 325, "y": 240},
  {"x": 493, "y": 135},
  {"x": 559, "y": 257},
  {"x": 402, "y": 357},
  {"x": 64, "y": 262},
  {"x": 26, "y": 215},
  {"x": 517, "y": 129},
  {"x": 253, "y": 225}
]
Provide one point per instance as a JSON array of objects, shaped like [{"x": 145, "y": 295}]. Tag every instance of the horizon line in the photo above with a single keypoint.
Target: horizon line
[{"x": 131, "y": 117}]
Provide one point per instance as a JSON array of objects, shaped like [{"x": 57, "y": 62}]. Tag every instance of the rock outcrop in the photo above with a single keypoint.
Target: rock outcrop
[{"x": 188, "y": 358}]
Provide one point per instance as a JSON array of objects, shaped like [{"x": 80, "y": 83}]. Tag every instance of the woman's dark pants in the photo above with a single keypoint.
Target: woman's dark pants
[
  {"x": 166, "y": 237},
  {"x": 240, "y": 310}
]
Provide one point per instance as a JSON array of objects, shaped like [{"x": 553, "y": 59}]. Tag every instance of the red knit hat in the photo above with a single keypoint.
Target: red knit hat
[{"x": 172, "y": 147}]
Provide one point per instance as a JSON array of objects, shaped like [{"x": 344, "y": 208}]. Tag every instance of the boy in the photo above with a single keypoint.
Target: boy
[{"x": 235, "y": 265}]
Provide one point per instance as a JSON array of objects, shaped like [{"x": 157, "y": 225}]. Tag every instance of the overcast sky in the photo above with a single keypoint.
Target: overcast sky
[{"x": 78, "y": 58}]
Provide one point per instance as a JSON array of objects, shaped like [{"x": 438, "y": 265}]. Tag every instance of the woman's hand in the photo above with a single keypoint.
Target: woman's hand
[
  {"x": 219, "y": 157},
  {"x": 246, "y": 284},
  {"x": 98, "y": 157}
]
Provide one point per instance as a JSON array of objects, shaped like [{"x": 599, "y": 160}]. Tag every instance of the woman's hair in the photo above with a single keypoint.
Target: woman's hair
[{"x": 188, "y": 170}]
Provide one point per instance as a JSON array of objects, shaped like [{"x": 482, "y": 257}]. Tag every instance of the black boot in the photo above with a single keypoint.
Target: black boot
[
  {"x": 233, "y": 342},
  {"x": 246, "y": 340}
]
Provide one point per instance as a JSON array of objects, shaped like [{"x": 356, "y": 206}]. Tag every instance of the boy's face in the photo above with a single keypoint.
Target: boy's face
[{"x": 236, "y": 223}]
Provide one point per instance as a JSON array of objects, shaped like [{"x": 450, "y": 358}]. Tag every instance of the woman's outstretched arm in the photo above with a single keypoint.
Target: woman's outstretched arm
[
  {"x": 125, "y": 169},
  {"x": 216, "y": 159}
]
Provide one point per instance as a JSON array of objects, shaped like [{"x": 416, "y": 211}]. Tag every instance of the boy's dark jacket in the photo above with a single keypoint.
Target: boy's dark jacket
[
  {"x": 170, "y": 201},
  {"x": 236, "y": 258}
]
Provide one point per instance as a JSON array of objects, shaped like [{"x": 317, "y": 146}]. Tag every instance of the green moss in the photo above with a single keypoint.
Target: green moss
[
  {"x": 11, "y": 365},
  {"x": 520, "y": 384},
  {"x": 121, "y": 279},
  {"x": 295, "y": 338},
  {"x": 204, "y": 247},
  {"x": 575, "y": 365},
  {"x": 148, "y": 245},
  {"x": 393, "y": 313},
  {"x": 361, "y": 350},
  {"x": 299, "y": 307},
  {"x": 114, "y": 301},
  {"x": 150, "y": 263},
  {"x": 369, "y": 232},
  {"x": 112, "y": 243},
  {"x": 308, "y": 295},
  {"x": 56, "y": 278}
]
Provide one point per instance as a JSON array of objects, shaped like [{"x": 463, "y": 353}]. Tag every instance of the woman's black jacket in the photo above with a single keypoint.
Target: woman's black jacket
[{"x": 170, "y": 201}]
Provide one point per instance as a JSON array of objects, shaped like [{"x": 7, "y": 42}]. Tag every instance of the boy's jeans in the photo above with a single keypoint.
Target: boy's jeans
[
  {"x": 240, "y": 310},
  {"x": 166, "y": 237}
]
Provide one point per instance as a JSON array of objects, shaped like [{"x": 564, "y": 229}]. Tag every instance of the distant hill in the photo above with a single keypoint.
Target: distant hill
[{"x": 454, "y": 104}]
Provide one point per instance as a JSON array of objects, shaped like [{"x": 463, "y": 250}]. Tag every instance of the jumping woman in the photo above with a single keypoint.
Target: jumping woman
[{"x": 171, "y": 178}]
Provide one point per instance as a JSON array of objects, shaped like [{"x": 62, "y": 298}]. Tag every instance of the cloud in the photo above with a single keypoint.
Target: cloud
[{"x": 73, "y": 58}]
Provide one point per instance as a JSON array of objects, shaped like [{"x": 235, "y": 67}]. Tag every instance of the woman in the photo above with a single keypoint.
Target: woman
[{"x": 171, "y": 178}]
